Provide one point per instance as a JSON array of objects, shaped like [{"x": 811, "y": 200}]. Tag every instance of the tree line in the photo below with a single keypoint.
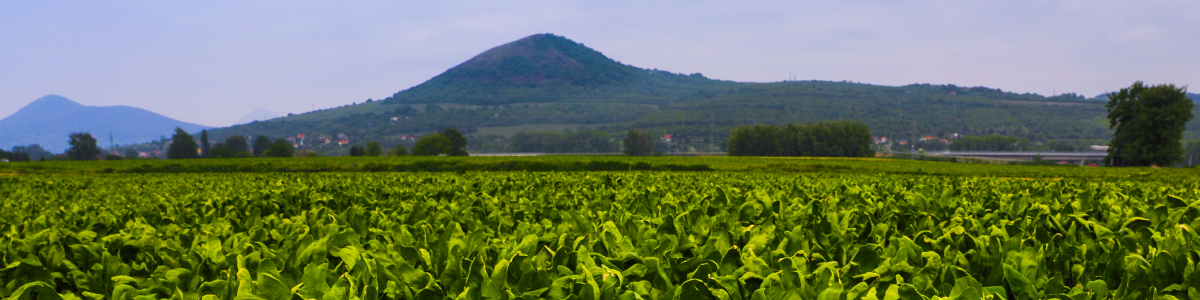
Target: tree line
[
  {"x": 449, "y": 141},
  {"x": 829, "y": 138},
  {"x": 184, "y": 146},
  {"x": 579, "y": 141},
  {"x": 26, "y": 153}
]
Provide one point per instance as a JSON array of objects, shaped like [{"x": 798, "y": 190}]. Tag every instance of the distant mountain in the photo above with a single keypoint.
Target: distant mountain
[
  {"x": 549, "y": 68},
  {"x": 48, "y": 121},
  {"x": 257, "y": 115},
  {"x": 546, "y": 82}
]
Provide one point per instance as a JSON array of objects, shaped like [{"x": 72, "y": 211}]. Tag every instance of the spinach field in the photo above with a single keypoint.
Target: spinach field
[{"x": 762, "y": 234}]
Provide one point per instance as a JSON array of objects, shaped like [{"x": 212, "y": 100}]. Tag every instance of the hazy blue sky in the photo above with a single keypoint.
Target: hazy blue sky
[{"x": 212, "y": 62}]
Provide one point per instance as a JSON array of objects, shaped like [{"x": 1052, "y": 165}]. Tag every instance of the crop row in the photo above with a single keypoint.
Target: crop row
[{"x": 599, "y": 235}]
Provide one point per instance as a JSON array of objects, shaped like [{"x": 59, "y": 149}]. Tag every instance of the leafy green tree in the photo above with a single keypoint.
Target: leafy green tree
[
  {"x": 374, "y": 149},
  {"x": 638, "y": 143},
  {"x": 131, "y": 153},
  {"x": 237, "y": 144},
  {"x": 1149, "y": 122},
  {"x": 14, "y": 156},
  {"x": 824, "y": 139},
  {"x": 33, "y": 152},
  {"x": 458, "y": 142},
  {"x": 433, "y": 108},
  {"x": 83, "y": 146},
  {"x": 399, "y": 151},
  {"x": 357, "y": 151},
  {"x": 182, "y": 145},
  {"x": 204, "y": 143},
  {"x": 280, "y": 148},
  {"x": 261, "y": 143},
  {"x": 433, "y": 144},
  {"x": 220, "y": 150}
]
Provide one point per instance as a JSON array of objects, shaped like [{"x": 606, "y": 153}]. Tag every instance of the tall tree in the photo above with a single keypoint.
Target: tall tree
[
  {"x": 261, "y": 143},
  {"x": 374, "y": 149},
  {"x": 399, "y": 151},
  {"x": 433, "y": 144},
  {"x": 237, "y": 144},
  {"x": 1149, "y": 122},
  {"x": 457, "y": 141},
  {"x": 204, "y": 143},
  {"x": 220, "y": 151},
  {"x": 638, "y": 143},
  {"x": 182, "y": 145},
  {"x": 83, "y": 146},
  {"x": 280, "y": 148}
]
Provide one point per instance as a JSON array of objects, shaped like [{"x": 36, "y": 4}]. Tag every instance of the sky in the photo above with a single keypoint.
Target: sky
[{"x": 213, "y": 62}]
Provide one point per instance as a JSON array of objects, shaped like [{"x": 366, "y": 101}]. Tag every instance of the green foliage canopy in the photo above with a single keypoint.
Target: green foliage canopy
[
  {"x": 261, "y": 143},
  {"x": 237, "y": 143},
  {"x": 458, "y": 143},
  {"x": 611, "y": 235},
  {"x": 182, "y": 145},
  {"x": 374, "y": 149},
  {"x": 204, "y": 146},
  {"x": 1149, "y": 122},
  {"x": 83, "y": 146},
  {"x": 828, "y": 139},
  {"x": 638, "y": 142},
  {"x": 280, "y": 148},
  {"x": 433, "y": 144},
  {"x": 220, "y": 150},
  {"x": 398, "y": 151}
]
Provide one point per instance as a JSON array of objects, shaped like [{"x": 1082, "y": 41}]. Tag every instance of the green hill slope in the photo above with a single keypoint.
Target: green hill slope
[
  {"x": 547, "y": 82},
  {"x": 548, "y": 68}
]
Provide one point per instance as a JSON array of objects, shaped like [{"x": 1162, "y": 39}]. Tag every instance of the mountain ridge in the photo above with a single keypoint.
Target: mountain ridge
[
  {"x": 49, "y": 120},
  {"x": 550, "y": 83},
  {"x": 547, "y": 68}
]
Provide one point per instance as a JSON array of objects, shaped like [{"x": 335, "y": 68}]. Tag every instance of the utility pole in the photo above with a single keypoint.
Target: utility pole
[
  {"x": 111, "y": 145},
  {"x": 711, "y": 133}
]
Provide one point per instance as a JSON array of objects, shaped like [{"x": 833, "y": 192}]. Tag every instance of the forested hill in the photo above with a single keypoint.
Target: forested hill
[
  {"x": 548, "y": 68},
  {"x": 549, "y": 83}
]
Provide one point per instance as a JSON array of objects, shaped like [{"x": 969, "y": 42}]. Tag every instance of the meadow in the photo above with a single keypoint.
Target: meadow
[{"x": 608, "y": 227}]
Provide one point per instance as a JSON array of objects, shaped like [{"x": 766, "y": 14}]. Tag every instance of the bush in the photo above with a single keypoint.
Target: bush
[{"x": 433, "y": 144}]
